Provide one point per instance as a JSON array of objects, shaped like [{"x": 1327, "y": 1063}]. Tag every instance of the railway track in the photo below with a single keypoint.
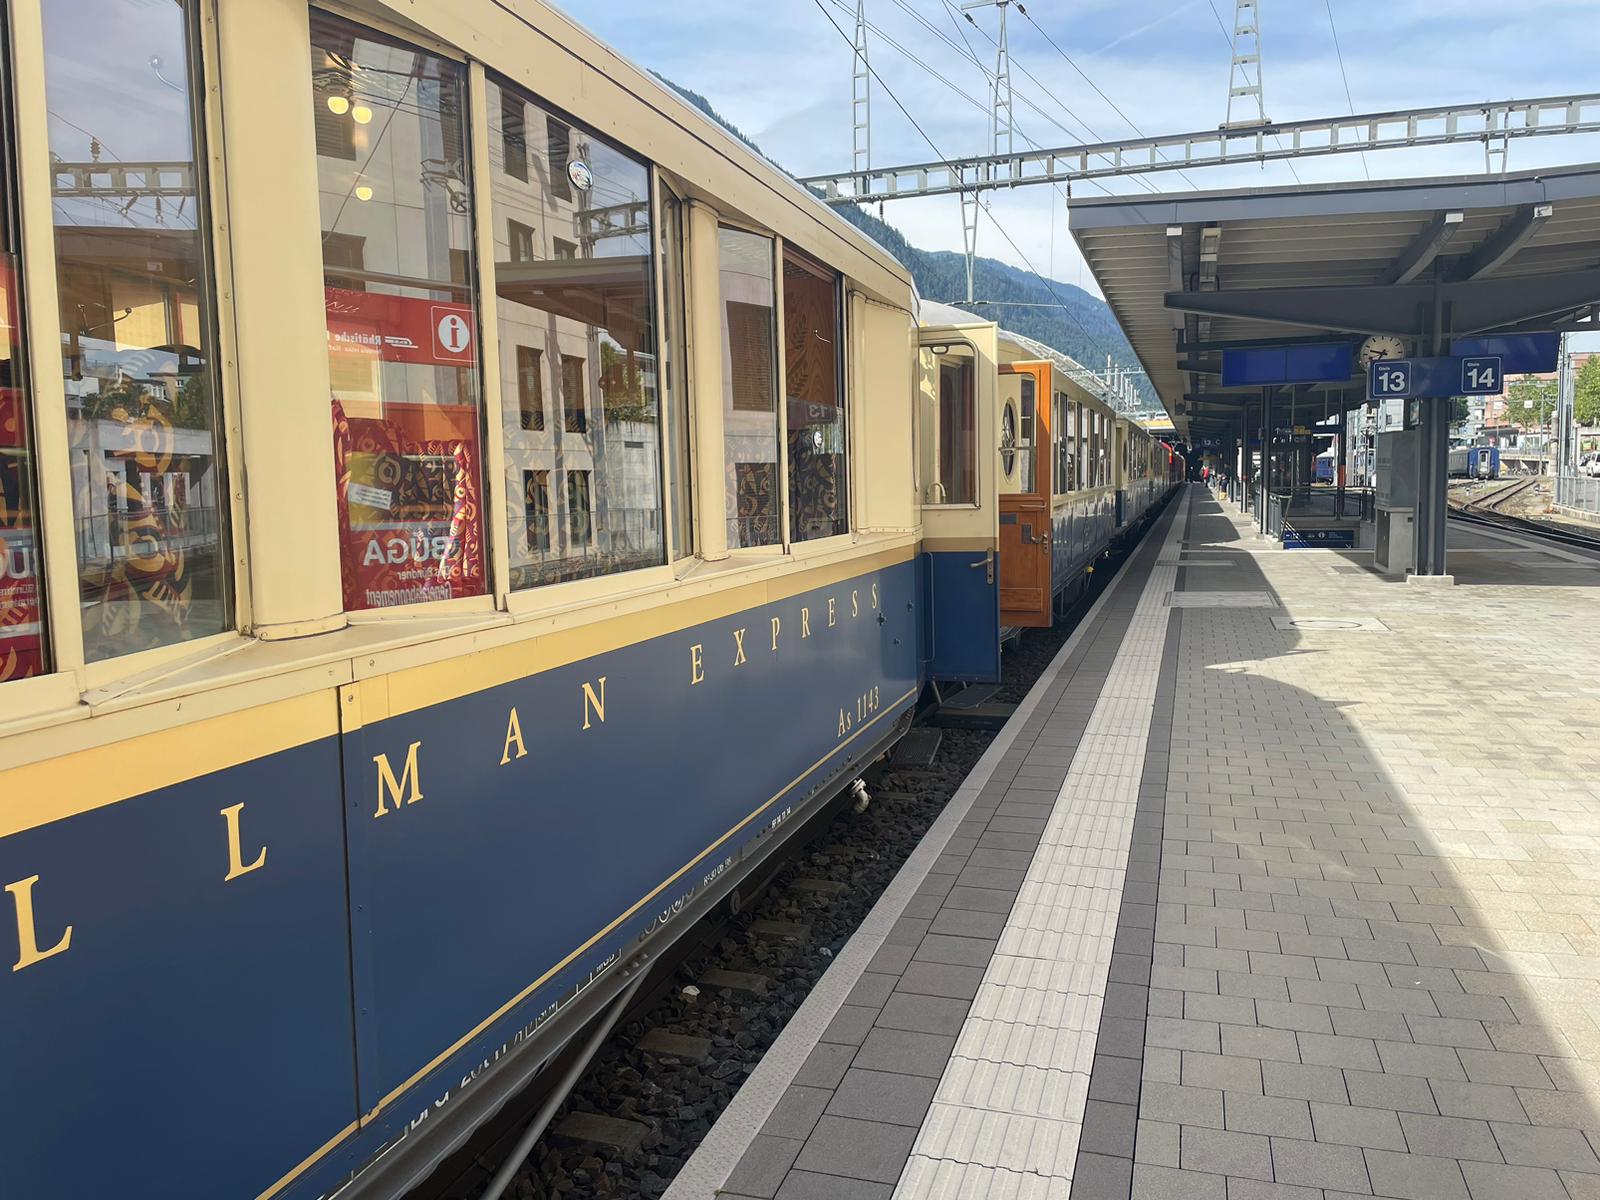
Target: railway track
[{"x": 1487, "y": 510}]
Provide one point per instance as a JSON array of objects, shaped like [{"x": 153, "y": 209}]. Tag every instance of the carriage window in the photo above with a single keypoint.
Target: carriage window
[
  {"x": 1027, "y": 427},
  {"x": 576, "y": 293},
  {"x": 956, "y": 481},
  {"x": 22, "y": 641},
  {"x": 402, "y": 324},
  {"x": 137, "y": 343},
  {"x": 1061, "y": 433},
  {"x": 749, "y": 377},
  {"x": 818, "y": 470}
]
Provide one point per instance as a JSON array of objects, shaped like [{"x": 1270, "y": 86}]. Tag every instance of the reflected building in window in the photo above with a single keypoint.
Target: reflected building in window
[
  {"x": 138, "y": 341},
  {"x": 574, "y": 283}
]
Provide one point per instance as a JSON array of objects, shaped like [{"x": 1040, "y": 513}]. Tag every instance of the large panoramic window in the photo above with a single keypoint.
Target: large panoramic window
[
  {"x": 749, "y": 388},
  {"x": 576, "y": 309},
  {"x": 138, "y": 350},
  {"x": 819, "y": 481},
  {"x": 22, "y": 621},
  {"x": 402, "y": 323}
]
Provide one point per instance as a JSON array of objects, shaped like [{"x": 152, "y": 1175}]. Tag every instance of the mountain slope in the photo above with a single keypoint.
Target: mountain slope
[{"x": 1082, "y": 327}]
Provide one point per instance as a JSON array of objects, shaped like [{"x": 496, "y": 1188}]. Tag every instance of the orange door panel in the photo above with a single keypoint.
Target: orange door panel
[{"x": 1025, "y": 497}]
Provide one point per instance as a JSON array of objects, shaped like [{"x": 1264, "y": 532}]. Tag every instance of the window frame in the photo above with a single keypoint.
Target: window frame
[
  {"x": 72, "y": 679},
  {"x": 549, "y": 598},
  {"x": 842, "y": 376},
  {"x": 475, "y": 162},
  {"x": 970, "y": 372}
]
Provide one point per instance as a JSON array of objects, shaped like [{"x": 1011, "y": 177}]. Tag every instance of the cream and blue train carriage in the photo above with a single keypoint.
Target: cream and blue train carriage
[
  {"x": 1024, "y": 459},
  {"x": 434, "y": 454}
]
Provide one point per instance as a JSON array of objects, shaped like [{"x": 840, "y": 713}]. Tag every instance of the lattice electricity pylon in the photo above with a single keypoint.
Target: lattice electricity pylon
[
  {"x": 1244, "y": 73},
  {"x": 861, "y": 97},
  {"x": 1002, "y": 129}
]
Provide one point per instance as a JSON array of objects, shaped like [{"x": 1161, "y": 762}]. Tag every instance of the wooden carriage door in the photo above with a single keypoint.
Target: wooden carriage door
[{"x": 1025, "y": 495}]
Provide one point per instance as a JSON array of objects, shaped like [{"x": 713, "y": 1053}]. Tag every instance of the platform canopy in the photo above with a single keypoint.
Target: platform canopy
[{"x": 1190, "y": 275}]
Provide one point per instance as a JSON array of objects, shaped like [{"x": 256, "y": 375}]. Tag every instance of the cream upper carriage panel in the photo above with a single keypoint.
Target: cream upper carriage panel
[{"x": 290, "y": 631}]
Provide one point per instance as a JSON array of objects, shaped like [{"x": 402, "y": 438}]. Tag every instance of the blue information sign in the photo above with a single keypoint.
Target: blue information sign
[
  {"x": 1390, "y": 379},
  {"x": 1434, "y": 378},
  {"x": 1481, "y": 376}
]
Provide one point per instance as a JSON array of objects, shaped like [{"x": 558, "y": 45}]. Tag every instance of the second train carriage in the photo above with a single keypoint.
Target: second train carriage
[{"x": 409, "y": 532}]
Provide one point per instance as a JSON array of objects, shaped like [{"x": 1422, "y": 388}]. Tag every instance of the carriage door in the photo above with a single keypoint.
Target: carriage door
[
  {"x": 1025, "y": 517},
  {"x": 959, "y": 565}
]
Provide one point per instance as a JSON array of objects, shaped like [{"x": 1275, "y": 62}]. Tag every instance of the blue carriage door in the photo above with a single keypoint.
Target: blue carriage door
[{"x": 960, "y": 506}]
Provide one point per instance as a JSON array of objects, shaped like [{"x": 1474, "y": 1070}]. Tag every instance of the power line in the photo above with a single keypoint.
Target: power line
[
  {"x": 1094, "y": 136},
  {"x": 888, "y": 91},
  {"x": 1128, "y": 120},
  {"x": 1328, "y": 4}
]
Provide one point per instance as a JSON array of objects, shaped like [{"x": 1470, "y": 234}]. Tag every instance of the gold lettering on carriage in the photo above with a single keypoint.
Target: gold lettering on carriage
[
  {"x": 513, "y": 737},
  {"x": 697, "y": 669},
  {"x": 738, "y": 648},
  {"x": 395, "y": 789},
  {"x": 236, "y": 865},
  {"x": 28, "y": 951},
  {"x": 596, "y": 702}
]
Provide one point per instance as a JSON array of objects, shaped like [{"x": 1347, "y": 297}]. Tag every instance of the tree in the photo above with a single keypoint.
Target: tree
[
  {"x": 1531, "y": 401},
  {"x": 1586, "y": 392}
]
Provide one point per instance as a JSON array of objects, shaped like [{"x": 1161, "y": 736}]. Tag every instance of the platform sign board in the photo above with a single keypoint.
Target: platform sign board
[
  {"x": 1326, "y": 539},
  {"x": 1481, "y": 376},
  {"x": 1313, "y": 362},
  {"x": 1434, "y": 378},
  {"x": 1390, "y": 379},
  {"x": 1520, "y": 353}
]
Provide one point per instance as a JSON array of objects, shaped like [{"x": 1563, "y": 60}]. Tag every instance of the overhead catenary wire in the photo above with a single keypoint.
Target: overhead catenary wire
[
  {"x": 1334, "y": 29},
  {"x": 1100, "y": 346},
  {"x": 1044, "y": 33},
  {"x": 1093, "y": 134}
]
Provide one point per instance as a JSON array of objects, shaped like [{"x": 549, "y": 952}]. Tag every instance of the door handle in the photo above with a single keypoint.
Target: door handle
[{"x": 987, "y": 563}]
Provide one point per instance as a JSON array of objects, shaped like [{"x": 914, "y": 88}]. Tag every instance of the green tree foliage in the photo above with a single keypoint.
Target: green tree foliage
[
  {"x": 1074, "y": 322},
  {"x": 1586, "y": 392},
  {"x": 1541, "y": 393}
]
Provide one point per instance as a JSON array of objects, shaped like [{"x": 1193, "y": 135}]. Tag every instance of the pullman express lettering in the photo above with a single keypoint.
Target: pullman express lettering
[{"x": 42, "y": 934}]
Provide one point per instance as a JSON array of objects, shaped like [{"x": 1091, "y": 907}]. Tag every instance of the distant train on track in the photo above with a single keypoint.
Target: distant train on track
[
  {"x": 417, "y": 516},
  {"x": 1475, "y": 462}
]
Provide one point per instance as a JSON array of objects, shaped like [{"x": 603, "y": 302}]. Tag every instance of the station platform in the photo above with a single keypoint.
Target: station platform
[{"x": 1283, "y": 883}]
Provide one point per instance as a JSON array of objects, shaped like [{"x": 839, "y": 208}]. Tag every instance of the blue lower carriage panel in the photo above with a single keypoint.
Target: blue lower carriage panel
[
  {"x": 962, "y": 634},
  {"x": 1328, "y": 539},
  {"x": 180, "y": 985},
  {"x": 269, "y": 1001},
  {"x": 508, "y": 845}
]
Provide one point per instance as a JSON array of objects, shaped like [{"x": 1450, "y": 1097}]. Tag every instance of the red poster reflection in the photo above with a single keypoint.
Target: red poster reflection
[
  {"x": 21, "y": 643},
  {"x": 408, "y": 479}
]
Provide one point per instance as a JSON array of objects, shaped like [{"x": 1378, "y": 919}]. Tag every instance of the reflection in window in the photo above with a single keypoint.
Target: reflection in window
[
  {"x": 1026, "y": 427},
  {"x": 578, "y": 509},
  {"x": 530, "y": 388},
  {"x": 1061, "y": 434},
  {"x": 575, "y": 288},
  {"x": 22, "y": 641},
  {"x": 514, "y": 136},
  {"x": 402, "y": 328},
  {"x": 137, "y": 343},
  {"x": 536, "y": 509},
  {"x": 958, "y": 451},
  {"x": 750, "y": 369},
  {"x": 574, "y": 402},
  {"x": 818, "y": 473}
]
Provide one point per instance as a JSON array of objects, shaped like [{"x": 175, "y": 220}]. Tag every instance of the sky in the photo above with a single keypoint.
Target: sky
[{"x": 782, "y": 73}]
